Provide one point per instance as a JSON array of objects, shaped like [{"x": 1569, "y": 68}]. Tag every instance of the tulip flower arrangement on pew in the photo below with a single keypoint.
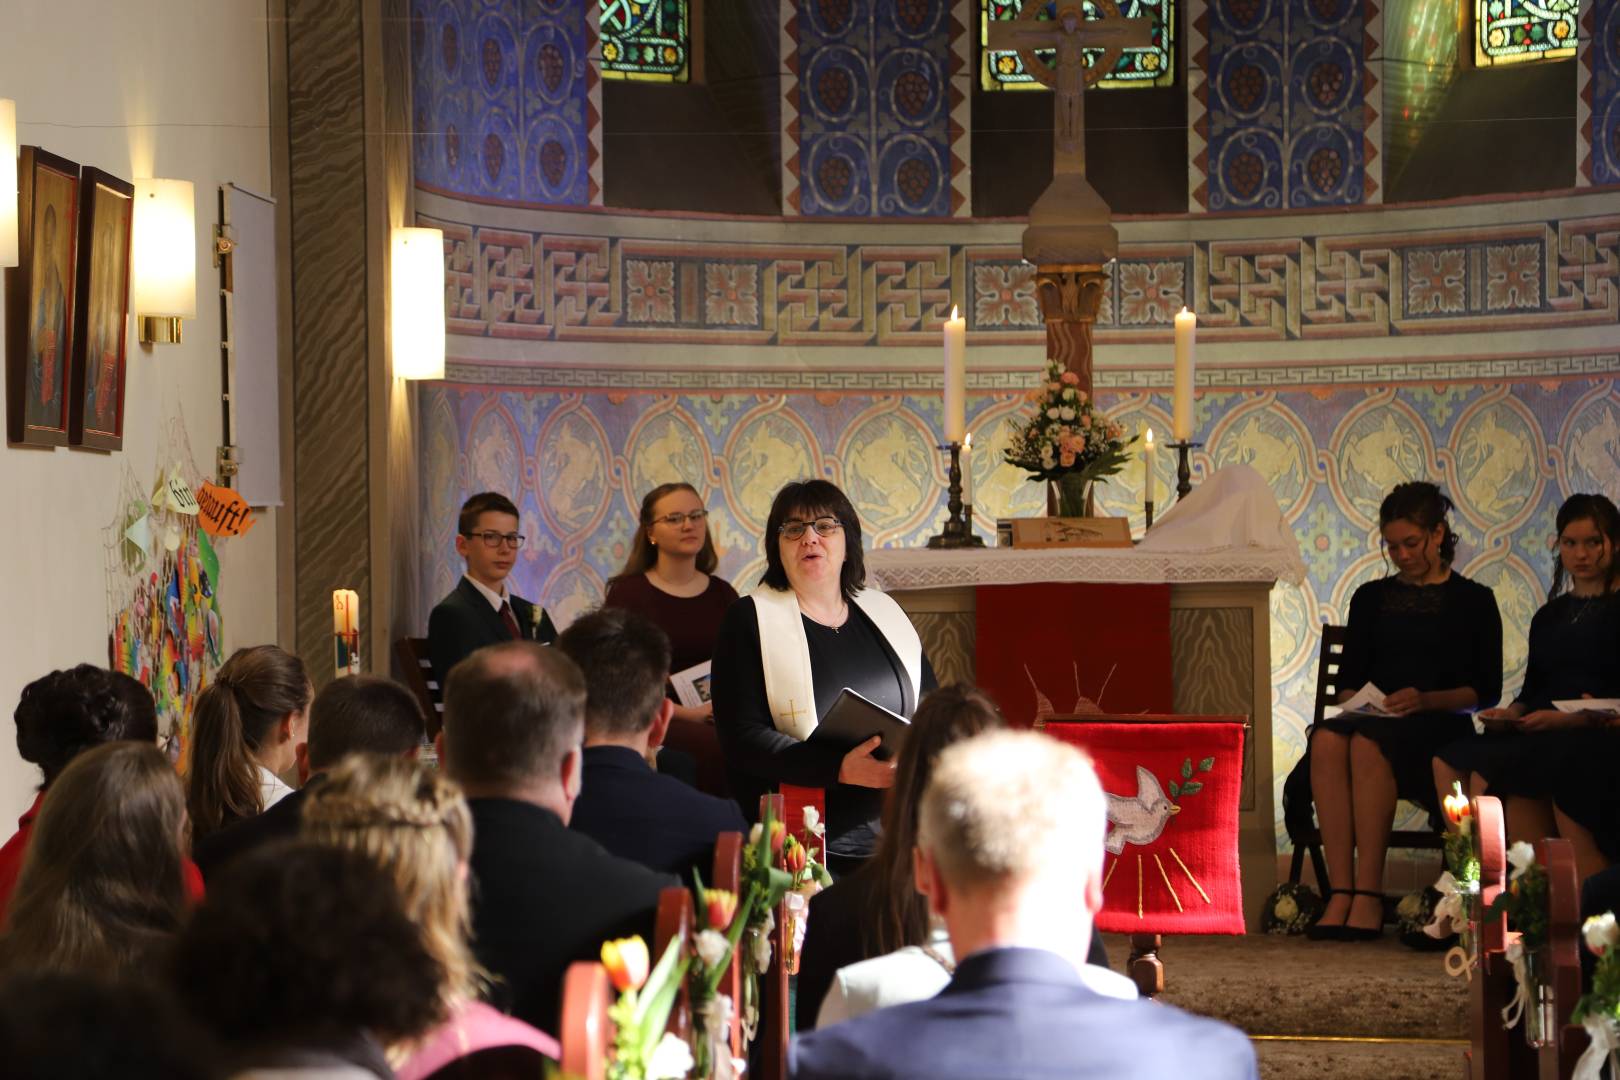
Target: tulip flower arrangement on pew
[
  {"x": 642, "y": 1049},
  {"x": 1457, "y": 886},
  {"x": 1524, "y": 902},
  {"x": 800, "y": 860},
  {"x": 1598, "y": 1010}
]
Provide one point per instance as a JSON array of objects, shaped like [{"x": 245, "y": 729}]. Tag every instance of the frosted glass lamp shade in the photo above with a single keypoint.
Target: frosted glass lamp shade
[
  {"x": 163, "y": 257},
  {"x": 8, "y": 182},
  {"x": 416, "y": 275}
]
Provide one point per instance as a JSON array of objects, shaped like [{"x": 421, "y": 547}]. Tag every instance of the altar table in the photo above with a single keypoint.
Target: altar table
[{"x": 1220, "y": 642}]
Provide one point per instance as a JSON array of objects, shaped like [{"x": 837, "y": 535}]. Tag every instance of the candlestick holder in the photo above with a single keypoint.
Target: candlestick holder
[
  {"x": 1149, "y": 506},
  {"x": 959, "y": 526},
  {"x": 1183, "y": 465}
]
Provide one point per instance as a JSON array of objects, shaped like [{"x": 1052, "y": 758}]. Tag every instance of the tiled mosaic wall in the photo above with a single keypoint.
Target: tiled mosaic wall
[
  {"x": 507, "y": 100},
  {"x": 1598, "y": 107}
]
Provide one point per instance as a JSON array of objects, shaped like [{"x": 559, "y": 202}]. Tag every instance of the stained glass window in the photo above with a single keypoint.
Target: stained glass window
[
  {"x": 1513, "y": 31},
  {"x": 646, "y": 39},
  {"x": 1152, "y": 66}
]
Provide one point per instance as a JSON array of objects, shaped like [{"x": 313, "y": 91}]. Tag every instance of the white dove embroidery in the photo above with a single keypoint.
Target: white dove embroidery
[{"x": 1141, "y": 818}]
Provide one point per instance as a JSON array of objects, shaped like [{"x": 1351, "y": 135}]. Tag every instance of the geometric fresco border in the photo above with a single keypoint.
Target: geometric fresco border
[
  {"x": 544, "y": 286},
  {"x": 927, "y": 381}
]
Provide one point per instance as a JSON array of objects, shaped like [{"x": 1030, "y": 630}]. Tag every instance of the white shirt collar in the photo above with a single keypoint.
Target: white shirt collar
[
  {"x": 271, "y": 788},
  {"x": 496, "y": 599}
]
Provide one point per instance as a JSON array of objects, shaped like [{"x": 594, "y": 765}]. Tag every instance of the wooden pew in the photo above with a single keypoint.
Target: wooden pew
[
  {"x": 728, "y": 875},
  {"x": 1561, "y": 959},
  {"x": 586, "y": 1032},
  {"x": 675, "y": 921},
  {"x": 1494, "y": 1052},
  {"x": 774, "y": 1028}
]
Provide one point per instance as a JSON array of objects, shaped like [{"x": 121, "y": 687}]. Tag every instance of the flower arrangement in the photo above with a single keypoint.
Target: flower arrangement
[
  {"x": 1524, "y": 903},
  {"x": 1067, "y": 440},
  {"x": 799, "y": 859},
  {"x": 1598, "y": 1010},
  {"x": 642, "y": 1049},
  {"x": 1291, "y": 909},
  {"x": 1458, "y": 884}
]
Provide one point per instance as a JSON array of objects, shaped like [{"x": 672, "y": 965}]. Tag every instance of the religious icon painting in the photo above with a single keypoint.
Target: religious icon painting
[
  {"x": 39, "y": 345},
  {"x": 101, "y": 313}
]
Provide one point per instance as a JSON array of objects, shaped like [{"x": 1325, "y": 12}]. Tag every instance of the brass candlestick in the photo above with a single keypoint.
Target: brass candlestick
[
  {"x": 959, "y": 526},
  {"x": 1183, "y": 465},
  {"x": 1149, "y": 505}
]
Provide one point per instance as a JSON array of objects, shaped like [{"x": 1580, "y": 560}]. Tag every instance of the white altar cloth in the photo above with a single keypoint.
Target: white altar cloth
[{"x": 892, "y": 569}]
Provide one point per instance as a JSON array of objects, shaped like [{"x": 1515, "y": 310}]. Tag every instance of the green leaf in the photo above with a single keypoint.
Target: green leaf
[
  {"x": 1206, "y": 765},
  {"x": 1175, "y": 789},
  {"x": 1191, "y": 787},
  {"x": 1186, "y": 769}
]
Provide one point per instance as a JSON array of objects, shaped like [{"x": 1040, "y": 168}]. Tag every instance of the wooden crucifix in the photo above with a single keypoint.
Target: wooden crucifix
[{"x": 1070, "y": 33}]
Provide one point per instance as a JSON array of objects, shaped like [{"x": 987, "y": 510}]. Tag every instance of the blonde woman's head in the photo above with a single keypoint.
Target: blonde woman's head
[{"x": 414, "y": 822}]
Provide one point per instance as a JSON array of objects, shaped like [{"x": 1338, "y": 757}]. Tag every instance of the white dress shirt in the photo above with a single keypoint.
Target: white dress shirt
[
  {"x": 271, "y": 788},
  {"x": 496, "y": 599}
]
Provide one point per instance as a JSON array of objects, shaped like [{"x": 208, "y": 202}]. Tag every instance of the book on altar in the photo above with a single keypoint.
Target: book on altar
[
  {"x": 1601, "y": 706},
  {"x": 692, "y": 685},
  {"x": 853, "y": 719},
  {"x": 1368, "y": 701}
]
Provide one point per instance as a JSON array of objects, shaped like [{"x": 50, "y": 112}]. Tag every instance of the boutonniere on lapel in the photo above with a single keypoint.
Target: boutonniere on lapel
[{"x": 536, "y": 613}]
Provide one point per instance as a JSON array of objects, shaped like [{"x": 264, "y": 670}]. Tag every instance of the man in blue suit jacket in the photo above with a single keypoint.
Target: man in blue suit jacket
[
  {"x": 1009, "y": 839},
  {"x": 625, "y": 806}
]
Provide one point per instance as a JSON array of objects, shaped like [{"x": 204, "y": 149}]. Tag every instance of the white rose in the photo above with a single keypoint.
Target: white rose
[
  {"x": 1286, "y": 909},
  {"x": 762, "y": 952},
  {"x": 1601, "y": 933},
  {"x": 812, "y": 822},
  {"x": 1068, "y": 393},
  {"x": 712, "y": 947},
  {"x": 753, "y": 835},
  {"x": 1410, "y": 905},
  {"x": 1065, "y": 413},
  {"x": 1521, "y": 856},
  {"x": 671, "y": 1059},
  {"x": 1052, "y": 413}
]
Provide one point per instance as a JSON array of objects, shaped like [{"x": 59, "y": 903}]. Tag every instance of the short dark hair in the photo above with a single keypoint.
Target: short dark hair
[
  {"x": 55, "y": 1024},
  {"x": 62, "y": 714},
  {"x": 363, "y": 714},
  {"x": 810, "y": 499},
  {"x": 624, "y": 657},
  {"x": 300, "y": 943},
  {"x": 484, "y": 502},
  {"x": 512, "y": 712},
  {"x": 1422, "y": 504}
]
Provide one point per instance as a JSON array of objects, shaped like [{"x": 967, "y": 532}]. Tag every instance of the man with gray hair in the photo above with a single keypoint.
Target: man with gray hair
[{"x": 1009, "y": 854}]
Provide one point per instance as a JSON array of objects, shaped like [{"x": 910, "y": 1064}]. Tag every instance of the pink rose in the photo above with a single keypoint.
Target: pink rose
[
  {"x": 1085, "y": 421},
  {"x": 1066, "y": 459},
  {"x": 1071, "y": 379},
  {"x": 1083, "y": 396}
]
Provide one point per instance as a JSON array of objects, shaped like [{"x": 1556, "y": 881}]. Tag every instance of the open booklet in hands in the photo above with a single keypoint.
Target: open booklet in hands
[
  {"x": 1368, "y": 701},
  {"x": 1601, "y": 706}
]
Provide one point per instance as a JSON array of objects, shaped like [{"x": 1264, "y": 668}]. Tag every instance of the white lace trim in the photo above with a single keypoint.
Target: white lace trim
[{"x": 891, "y": 569}]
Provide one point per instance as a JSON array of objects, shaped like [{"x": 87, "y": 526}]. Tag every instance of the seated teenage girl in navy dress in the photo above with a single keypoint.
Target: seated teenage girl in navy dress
[
  {"x": 1431, "y": 640},
  {"x": 669, "y": 577},
  {"x": 1530, "y": 748}
]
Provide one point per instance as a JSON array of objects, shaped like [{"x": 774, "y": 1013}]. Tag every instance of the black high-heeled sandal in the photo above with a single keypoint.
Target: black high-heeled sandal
[
  {"x": 1363, "y": 933},
  {"x": 1317, "y": 932}
]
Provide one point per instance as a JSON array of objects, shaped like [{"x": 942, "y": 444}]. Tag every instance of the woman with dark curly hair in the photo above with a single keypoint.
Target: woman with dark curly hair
[
  {"x": 304, "y": 962},
  {"x": 101, "y": 889},
  {"x": 61, "y": 715},
  {"x": 1431, "y": 640}
]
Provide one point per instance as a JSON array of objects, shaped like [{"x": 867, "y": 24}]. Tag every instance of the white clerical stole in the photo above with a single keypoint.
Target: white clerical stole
[{"x": 784, "y": 653}]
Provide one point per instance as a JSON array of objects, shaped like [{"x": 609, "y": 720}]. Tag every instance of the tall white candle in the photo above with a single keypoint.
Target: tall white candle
[
  {"x": 967, "y": 470},
  {"x": 955, "y": 378},
  {"x": 1147, "y": 467},
  {"x": 1186, "y": 328}
]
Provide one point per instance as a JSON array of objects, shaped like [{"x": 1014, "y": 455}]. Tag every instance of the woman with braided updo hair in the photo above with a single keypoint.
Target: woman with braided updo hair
[{"x": 416, "y": 825}]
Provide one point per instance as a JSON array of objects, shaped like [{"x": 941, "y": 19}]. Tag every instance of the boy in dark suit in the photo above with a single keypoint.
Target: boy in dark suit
[
  {"x": 543, "y": 895},
  {"x": 481, "y": 610},
  {"x": 625, "y": 806},
  {"x": 1009, "y": 854}
]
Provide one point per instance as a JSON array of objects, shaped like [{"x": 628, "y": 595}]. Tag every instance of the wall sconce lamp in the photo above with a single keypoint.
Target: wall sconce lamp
[
  {"x": 8, "y": 182},
  {"x": 163, "y": 257},
  {"x": 416, "y": 274}
]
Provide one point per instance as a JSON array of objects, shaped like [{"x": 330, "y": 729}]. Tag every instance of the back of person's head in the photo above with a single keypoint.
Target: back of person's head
[
  {"x": 362, "y": 714},
  {"x": 414, "y": 823},
  {"x": 62, "y": 714},
  {"x": 56, "y": 1024},
  {"x": 1604, "y": 517},
  {"x": 302, "y": 944},
  {"x": 944, "y": 717},
  {"x": 476, "y": 506},
  {"x": 1424, "y": 505},
  {"x": 101, "y": 886},
  {"x": 1014, "y": 811},
  {"x": 512, "y": 713},
  {"x": 252, "y": 693},
  {"x": 624, "y": 657}
]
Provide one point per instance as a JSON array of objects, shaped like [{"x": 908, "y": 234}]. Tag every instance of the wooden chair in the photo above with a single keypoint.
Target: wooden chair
[
  {"x": 586, "y": 1032},
  {"x": 1494, "y": 1052},
  {"x": 1561, "y": 959},
  {"x": 774, "y": 1026},
  {"x": 411, "y": 654},
  {"x": 1308, "y": 839},
  {"x": 728, "y": 875}
]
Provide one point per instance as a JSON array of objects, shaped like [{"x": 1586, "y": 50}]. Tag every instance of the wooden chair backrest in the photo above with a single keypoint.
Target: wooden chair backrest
[
  {"x": 411, "y": 654},
  {"x": 586, "y": 1032},
  {"x": 774, "y": 1029},
  {"x": 1328, "y": 663},
  {"x": 1490, "y": 1046},
  {"x": 675, "y": 921},
  {"x": 728, "y": 848},
  {"x": 1562, "y": 958}
]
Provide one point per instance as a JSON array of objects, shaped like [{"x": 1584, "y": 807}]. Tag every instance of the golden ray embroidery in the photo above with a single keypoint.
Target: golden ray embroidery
[
  {"x": 1190, "y": 877},
  {"x": 1160, "y": 863},
  {"x": 1139, "y": 886},
  {"x": 1110, "y": 875}
]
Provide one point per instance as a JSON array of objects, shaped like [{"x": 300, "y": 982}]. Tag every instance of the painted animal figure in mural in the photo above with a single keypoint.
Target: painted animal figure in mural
[
  {"x": 1140, "y": 818},
  {"x": 1596, "y": 452},
  {"x": 1278, "y": 460},
  {"x": 884, "y": 471},
  {"x": 1376, "y": 456},
  {"x": 1502, "y": 455}
]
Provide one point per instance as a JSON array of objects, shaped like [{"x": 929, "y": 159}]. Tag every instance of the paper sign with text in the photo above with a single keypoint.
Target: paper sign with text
[{"x": 223, "y": 512}]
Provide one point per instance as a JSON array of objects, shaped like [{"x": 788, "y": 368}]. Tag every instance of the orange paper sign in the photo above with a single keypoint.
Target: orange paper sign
[{"x": 222, "y": 512}]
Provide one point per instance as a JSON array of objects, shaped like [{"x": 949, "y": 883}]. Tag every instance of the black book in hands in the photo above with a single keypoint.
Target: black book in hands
[{"x": 853, "y": 719}]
